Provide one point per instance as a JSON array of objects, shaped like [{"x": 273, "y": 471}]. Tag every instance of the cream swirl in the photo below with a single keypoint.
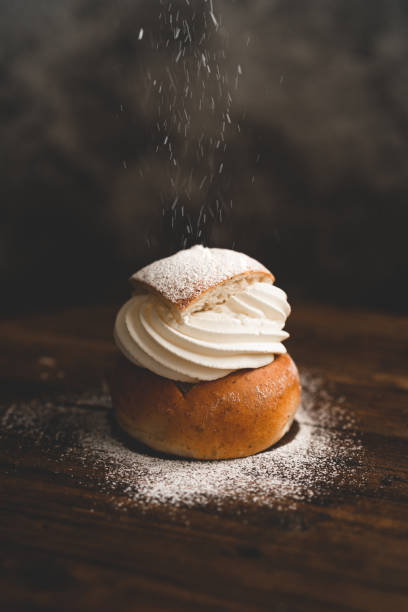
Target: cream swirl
[{"x": 245, "y": 331}]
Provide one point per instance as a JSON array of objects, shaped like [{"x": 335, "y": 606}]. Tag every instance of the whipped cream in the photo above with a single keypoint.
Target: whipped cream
[{"x": 245, "y": 331}]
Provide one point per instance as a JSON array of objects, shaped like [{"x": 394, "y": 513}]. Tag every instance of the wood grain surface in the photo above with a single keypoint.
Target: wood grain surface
[{"x": 69, "y": 544}]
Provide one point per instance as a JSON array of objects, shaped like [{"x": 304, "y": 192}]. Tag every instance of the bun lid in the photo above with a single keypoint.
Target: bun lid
[{"x": 199, "y": 277}]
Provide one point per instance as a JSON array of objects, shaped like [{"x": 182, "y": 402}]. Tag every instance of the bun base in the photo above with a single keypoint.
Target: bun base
[{"x": 235, "y": 416}]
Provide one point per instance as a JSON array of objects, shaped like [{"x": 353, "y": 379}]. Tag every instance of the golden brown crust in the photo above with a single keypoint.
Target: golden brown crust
[{"x": 235, "y": 416}]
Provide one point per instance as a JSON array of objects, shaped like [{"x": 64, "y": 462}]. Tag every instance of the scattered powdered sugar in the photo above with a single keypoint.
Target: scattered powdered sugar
[
  {"x": 320, "y": 455},
  {"x": 183, "y": 276}
]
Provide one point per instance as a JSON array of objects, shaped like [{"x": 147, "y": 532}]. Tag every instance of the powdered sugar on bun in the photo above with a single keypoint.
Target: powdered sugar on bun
[{"x": 199, "y": 277}]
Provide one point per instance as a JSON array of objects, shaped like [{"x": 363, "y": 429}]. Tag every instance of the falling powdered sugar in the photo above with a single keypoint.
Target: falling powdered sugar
[{"x": 320, "y": 455}]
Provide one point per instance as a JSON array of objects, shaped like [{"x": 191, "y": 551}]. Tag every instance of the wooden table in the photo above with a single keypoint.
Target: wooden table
[{"x": 68, "y": 544}]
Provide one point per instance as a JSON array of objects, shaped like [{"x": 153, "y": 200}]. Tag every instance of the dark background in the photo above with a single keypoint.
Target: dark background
[{"x": 317, "y": 173}]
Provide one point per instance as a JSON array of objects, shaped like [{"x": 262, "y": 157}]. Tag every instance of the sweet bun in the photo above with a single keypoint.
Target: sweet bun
[{"x": 240, "y": 414}]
